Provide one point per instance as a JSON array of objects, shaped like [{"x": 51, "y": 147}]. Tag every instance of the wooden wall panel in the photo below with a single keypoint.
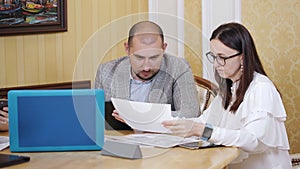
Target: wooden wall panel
[{"x": 193, "y": 35}]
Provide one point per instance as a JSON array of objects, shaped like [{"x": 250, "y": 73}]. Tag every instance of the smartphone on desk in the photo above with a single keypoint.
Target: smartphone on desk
[
  {"x": 199, "y": 145},
  {"x": 10, "y": 159}
]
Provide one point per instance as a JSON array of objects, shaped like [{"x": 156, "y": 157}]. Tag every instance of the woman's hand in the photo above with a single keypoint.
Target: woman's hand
[
  {"x": 184, "y": 128},
  {"x": 117, "y": 116},
  {"x": 4, "y": 119}
]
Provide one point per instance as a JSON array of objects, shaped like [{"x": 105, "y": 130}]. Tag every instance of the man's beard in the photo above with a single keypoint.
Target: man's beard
[{"x": 145, "y": 79}]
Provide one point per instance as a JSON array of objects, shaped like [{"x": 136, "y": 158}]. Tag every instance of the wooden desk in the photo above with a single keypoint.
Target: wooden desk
[{"x": 181, "y": 158}]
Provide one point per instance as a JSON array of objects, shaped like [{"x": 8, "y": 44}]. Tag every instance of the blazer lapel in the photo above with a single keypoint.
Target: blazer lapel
[
  {"x": 157, "y": 94},
  {"x": 121, "y": 80}
]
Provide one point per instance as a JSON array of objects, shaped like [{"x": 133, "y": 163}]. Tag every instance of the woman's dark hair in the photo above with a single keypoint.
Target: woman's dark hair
[{"x": 237, "y": 37}]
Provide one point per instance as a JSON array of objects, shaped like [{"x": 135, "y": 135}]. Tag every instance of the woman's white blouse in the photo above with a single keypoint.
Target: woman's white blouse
[{"x": 257, "y": 127}]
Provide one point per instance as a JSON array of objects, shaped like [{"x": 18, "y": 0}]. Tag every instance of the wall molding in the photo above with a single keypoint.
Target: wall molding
[
  {"x": 169, "y": 14},
  {"x": 231, "y": 11}
]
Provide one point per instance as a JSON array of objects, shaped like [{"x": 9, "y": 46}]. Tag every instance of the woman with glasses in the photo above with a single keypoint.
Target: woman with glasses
[{"x": 248, "y": 112}]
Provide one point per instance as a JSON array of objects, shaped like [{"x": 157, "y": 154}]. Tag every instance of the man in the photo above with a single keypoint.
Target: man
[{"x": 147, "y": 74}]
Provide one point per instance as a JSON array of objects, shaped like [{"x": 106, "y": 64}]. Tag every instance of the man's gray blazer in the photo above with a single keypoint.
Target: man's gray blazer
[{"x": 173, "y": 84}]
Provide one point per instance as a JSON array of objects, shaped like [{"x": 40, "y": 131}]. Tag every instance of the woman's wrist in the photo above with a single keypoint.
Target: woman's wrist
[{"x": 198, "y": 129}]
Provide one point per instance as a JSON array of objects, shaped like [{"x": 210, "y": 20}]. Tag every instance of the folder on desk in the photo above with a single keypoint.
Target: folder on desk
[{"x": 56, "y": 120}]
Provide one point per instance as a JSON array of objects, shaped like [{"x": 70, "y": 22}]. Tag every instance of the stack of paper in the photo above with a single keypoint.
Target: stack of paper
[
  {"x": 150, "y": 139},
  {"x": 4, "y": 142}
]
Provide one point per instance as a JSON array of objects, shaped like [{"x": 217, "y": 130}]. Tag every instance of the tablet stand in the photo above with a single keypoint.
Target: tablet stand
[{"x": 122, "y": 150}]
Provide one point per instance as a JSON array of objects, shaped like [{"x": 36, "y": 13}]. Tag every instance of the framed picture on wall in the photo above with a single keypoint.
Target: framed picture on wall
[{"x": 32, "y": 16}]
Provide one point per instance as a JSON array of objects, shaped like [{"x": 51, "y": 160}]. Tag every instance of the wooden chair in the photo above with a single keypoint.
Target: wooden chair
[
  {"x": 206, "y": 91},
  {"x": 295, "y": 160}
]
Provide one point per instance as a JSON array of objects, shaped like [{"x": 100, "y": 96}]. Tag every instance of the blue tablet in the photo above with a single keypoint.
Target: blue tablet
[{"x": 56, "y": 120}]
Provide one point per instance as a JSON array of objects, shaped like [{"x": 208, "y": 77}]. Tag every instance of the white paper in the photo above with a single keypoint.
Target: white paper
[
  {"x": 150, "y": 139},
  {"x": 144, "y": 116},
  {"x": 4, "y": 142}
]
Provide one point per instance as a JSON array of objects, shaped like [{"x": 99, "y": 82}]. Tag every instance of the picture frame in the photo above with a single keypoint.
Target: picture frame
[{"x": 21, "y": 17}]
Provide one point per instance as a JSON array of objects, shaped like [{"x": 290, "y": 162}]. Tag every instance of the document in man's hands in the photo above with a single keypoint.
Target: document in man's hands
[{"x": 144, "y": 116}]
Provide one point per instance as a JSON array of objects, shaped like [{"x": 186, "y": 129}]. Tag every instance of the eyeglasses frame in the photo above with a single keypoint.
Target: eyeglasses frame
[{"x": 221, "y": 57}]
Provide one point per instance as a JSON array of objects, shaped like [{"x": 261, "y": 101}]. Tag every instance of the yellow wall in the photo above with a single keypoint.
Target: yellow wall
[
  {"x": 193, "y": 35},
  {"x": 47, "y": 58},
  {"x": 275, "y": 26},
  {"x": 58, "y": 57}
]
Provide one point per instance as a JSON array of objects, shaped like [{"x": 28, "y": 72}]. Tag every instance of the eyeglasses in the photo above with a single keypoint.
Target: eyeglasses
[{"x": 220, "y": 59}]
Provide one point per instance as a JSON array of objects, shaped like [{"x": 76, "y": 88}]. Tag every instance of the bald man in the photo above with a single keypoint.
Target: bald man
[{"x": 148, "y": 74}]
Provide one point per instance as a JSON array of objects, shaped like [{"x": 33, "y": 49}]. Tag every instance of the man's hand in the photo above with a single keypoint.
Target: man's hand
[{"x": 117, "y": 116}]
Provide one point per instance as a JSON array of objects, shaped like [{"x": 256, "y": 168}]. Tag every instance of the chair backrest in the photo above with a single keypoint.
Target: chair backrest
[{"x": 206, "y": 91}]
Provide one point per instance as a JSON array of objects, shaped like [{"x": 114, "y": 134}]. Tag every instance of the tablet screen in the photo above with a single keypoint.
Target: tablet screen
[
  {"x": 56, "y": 120},
  {"x": 54, "y": 117}
]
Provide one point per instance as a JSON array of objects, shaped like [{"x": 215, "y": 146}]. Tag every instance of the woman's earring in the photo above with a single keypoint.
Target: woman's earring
[{"x": 242, "y": 67}]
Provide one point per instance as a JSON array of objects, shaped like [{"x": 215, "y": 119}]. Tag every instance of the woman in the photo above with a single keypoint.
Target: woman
[{"x": 248, "y": 112}]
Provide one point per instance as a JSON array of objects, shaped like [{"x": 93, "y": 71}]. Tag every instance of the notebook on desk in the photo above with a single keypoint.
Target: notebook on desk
[{"x": 56, "y": 120}]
